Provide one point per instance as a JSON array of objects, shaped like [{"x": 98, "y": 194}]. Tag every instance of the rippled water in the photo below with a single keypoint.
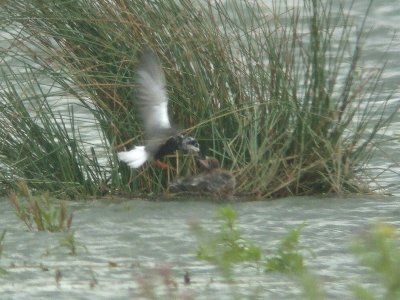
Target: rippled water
[
  {"x": 130, "y": 241},
  {"x": 124, "y": 245}
]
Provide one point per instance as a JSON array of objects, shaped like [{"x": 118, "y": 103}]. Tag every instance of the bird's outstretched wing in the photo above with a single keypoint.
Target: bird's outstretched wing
[
  {"x": 152, "y": 97},
  {"x": 152, "y": 104}
]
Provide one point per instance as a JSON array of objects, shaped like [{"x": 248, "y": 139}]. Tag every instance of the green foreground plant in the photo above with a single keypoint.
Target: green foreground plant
[
  {"x": 287, "y": 257},
  {"x": 40, "y": 211},
  {"x": 69, "y": 241},
  {"x": 380, "y": 251},
  {"x": 274, "y": 92},
  {"x": 2, "y": 235},
  {"x": 226, "y": 247},
  {"x": 2, "y": 242}
]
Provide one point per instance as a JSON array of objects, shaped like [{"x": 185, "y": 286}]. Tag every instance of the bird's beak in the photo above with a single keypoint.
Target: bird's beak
[
  {"x": 203, "y": 160},
  {"x": 189, "y": 143},
  {"x": 204, "y": 163},
  {"x": 194, "y": 148}
]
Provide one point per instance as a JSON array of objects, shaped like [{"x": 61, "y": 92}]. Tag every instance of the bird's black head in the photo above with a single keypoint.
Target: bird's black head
[
  {"x": 187, "y": 143},
  {"x": 177, "y": 142}
]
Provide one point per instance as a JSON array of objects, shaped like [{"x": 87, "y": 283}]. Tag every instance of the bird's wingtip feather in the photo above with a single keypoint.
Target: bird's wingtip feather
[{"x": 135, "y": 157}]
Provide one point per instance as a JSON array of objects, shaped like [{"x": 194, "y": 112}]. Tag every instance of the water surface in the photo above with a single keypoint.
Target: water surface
[
  {"x": 134, "y": 241},
  {"x": 125, "y": 245}
]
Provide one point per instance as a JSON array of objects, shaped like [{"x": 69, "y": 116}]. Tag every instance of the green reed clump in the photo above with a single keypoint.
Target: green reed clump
[
  {"x": 274, "y": 92},
  {"x": 41, "y": 140},
  {"x": 39, "y": 211}
]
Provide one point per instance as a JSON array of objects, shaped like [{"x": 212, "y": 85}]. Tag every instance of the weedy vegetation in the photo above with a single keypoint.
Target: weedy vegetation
[
  {"x": 39, "y": 212},
  {"x": 2, "y": 235},
  {"x": 277, "y": 93},
  {"x": 379, "y": 250},
  {"x": 69, "y": 242},
  {"x": 159, "y": 283},
  {"x": 226, "y": 247},
  {"x": 288, "y": 256}
]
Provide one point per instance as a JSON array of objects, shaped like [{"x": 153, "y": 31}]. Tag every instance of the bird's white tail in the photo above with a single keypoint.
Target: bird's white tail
[{"x": 135, "y": 157}]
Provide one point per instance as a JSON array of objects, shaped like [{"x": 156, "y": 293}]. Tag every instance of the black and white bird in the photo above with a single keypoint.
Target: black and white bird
[{"x": 152, "y": 103}]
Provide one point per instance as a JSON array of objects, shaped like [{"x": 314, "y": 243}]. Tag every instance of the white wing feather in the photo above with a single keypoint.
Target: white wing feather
[
  {"x": 152, "y": 103},
  {"x": 135, "y": 157},
  {"x": 152, "y": 96}
]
